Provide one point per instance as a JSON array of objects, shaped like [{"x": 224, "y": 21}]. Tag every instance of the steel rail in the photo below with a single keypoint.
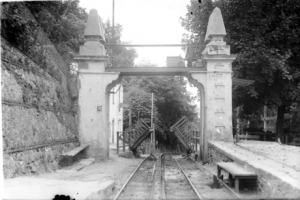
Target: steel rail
[
  {"x": 162, "y": 179},
  {"x": 195, "y": 190},
  {"x": 121, "y": 190},
  {"x": 153, "y": 182},
  {"x": 224, "y": 184}
]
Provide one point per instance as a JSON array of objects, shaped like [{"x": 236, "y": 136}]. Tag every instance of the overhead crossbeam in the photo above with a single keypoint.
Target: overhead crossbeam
[
  {"x": 154, "y": 71},
  {"x": 153, "y": 45}
]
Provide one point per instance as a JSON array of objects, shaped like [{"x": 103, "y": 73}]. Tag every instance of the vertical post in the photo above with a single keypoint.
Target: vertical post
[
  {"x": 152, "y": 135},
  {"x": 196, "y": 141},
  {"x": 113, "y": 32},
  {"x": 238, "y": 124},
  {"x": 205, "y": 144},
  {"x": 124, "y": 135},
  {"x": 129, "y": 138},
  {"x": 130, "y": 118},
  {"x": 238, "y": 129},
  {"x": 265, "y": 119},
  {"x": 118, "y": 134}
]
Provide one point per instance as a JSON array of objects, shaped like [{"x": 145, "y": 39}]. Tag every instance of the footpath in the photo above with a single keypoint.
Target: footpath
[{"x": 86, "y": 179}]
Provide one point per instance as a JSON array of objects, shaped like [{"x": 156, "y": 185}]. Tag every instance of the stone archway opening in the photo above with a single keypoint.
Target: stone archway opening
[{"x": 213, "y": 80}]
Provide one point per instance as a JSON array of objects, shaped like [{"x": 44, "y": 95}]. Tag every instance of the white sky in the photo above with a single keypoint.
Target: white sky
[{"x": 146, "y": 22}]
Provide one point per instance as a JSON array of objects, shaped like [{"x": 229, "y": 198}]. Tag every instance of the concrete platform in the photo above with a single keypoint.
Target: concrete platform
[
  {"x": 277, "y": 178},
  {"x": 38, "y": 188}
]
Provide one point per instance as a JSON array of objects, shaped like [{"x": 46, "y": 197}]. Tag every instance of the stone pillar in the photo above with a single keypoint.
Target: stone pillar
[
  {"x": 218, "y": 62},
  {"x": 219, "y": 96},
  {"x": 217, "y": 82},
  {"x": 94, "y": 87}
]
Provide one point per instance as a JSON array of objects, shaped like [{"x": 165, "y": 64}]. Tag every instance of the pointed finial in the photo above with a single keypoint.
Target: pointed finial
[
  {"x": 94, "y": 27},
  {"x": 215, "y": 25}
]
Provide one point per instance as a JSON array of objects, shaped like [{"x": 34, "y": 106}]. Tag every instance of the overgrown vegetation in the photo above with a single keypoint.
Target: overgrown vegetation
[
  {"x": 119, "y": 56},
  {"x": 171, "y": 103},
  {"x": 265, "y": 36},
  {"x": 62, "y": 21}
]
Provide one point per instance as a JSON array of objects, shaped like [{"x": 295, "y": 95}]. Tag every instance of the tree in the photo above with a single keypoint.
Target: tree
[
  {"x": 172, "y": 101},
  {"x": 120, "y": 56},
  {"x": 139, "y": 102},
  {"x": 265, "y": 37},
  {"x": 62, "y": 21}
]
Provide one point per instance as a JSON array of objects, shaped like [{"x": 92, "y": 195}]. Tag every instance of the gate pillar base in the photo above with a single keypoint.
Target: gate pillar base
[{"x": 93, "y": 110}]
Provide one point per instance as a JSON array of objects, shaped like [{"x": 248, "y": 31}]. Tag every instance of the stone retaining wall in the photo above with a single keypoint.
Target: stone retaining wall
[
  {"x": 268, "y": 185},
  {"x": 39, "y": 119}
]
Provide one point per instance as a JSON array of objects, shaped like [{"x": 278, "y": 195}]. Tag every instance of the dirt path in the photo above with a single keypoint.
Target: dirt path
[{"x": 115, "y": 168}]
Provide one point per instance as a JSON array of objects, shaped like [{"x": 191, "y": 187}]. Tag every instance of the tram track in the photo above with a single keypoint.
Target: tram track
[
  {"x": 203, "y": 181},
  {"x": 177, "y": 185},
  {"x": 140, "y": 184},
  {"x": 167, "y": 178}
]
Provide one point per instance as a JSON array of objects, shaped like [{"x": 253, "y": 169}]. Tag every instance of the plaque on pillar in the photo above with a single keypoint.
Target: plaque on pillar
[
  {"x": 220, "y": 76},
  {"x": 219, "y": 112},
  {"x": 219, "y": 85},
  {"x": 219, "y": 66}
]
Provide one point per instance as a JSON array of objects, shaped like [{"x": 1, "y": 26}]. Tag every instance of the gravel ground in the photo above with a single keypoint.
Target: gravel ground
[
  {"x": 115, "y": 168},
  {"x": 286, "y": 154}
]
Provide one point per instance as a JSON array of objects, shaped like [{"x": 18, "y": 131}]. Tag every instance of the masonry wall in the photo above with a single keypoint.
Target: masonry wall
[
  {"x": 39, "y": 119},
  {"x": 268, "y": 185}
]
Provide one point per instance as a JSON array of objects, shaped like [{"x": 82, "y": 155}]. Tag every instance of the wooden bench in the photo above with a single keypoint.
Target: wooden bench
[
  {"x": 247, "y": 137},
  {"x": 235, "y": 171},
  {"x": 296, "y": 141},
  {"x": 69, "y": 157}
]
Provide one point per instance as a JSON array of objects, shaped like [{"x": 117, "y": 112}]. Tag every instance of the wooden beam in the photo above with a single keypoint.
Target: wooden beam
[
  {"x": 154, "y": 45},
  {"x": 154, "y": 71},
  {"x": 167, "y": 71}
]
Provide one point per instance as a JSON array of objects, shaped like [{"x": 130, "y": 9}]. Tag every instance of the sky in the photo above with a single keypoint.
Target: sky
[{"x": 146, "y": 22}]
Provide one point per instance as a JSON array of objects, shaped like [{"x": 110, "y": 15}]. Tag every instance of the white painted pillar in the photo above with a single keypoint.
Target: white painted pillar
[
  {"x": 94, "y": 87},
  {"x": 216, "y": 84},
  {"x": 93, "y": 105}
]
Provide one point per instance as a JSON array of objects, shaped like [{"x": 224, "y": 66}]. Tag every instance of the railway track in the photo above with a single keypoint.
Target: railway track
[
  {"x": 177, "y": 184},
  {"x": 203, "y": 182},
  {"x": 140, "y": 183},
  {"x": 167, "y": 178}
]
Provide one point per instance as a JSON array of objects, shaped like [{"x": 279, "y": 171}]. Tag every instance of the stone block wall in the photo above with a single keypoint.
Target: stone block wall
[
  {"x": 214, "y": 156},
  {"x": 268, "y": 185},
  {"x": 39, "y": 119}
]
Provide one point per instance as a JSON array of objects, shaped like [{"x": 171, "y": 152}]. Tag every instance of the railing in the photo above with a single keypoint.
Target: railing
[
  {"x": 132, "y": 134},
  {"x": 195, "y": 137},
  {"x": 186, "y": 135}
]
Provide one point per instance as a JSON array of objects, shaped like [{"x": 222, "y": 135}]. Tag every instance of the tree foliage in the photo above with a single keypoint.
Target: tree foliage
[
  {"x": 171, "y": 102},
  {"x": 120, "y": 56},
  {"x": 62, "y": 21},
  {"x": 265, "y": 36}
]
